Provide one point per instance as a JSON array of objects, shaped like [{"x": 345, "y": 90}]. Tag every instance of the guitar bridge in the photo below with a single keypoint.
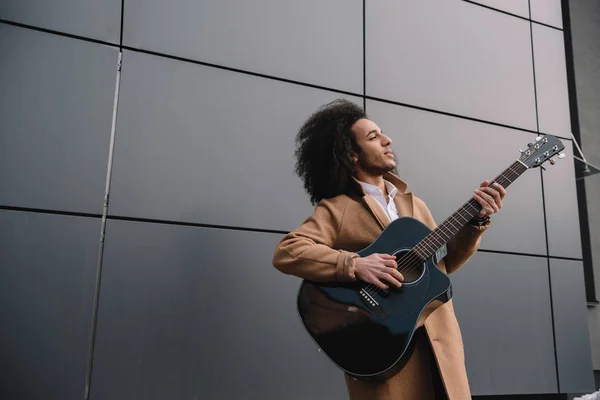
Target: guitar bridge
[{"x": 372, "y": 304}]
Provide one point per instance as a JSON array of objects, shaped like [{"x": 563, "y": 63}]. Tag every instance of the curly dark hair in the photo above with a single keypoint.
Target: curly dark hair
[{"x": 325, "y": 145}]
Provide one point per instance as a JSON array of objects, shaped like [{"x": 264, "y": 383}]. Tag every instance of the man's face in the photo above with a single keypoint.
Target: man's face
[{"x": 376, "y": 156}]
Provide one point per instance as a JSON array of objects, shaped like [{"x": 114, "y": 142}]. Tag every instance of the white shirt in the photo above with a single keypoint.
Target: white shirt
[{"x": 388, "y": 206}]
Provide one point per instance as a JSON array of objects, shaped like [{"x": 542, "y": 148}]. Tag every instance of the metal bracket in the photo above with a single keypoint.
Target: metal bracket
[{"x": 585, "y": 167}]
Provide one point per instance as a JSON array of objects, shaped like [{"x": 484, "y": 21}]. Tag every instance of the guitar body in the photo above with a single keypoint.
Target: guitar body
[{"x": 366, "y": 331}]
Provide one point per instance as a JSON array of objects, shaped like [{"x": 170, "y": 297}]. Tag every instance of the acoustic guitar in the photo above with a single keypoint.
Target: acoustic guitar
[{"x": 366, "y": 331}]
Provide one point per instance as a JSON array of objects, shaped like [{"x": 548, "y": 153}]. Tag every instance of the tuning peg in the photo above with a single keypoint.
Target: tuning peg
[
  {"x": 561, "y": 155},
  {"x": 529, "y": 144},
  {"x": 552, "y": 161},
  {"x": 537, "y": 139}
]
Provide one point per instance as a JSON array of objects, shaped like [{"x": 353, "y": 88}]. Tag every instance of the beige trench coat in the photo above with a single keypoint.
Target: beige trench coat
[{"x": 321, "y": 249}]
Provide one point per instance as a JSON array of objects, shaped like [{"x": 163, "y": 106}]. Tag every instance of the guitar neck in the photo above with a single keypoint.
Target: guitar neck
[{"x": 445, "y": 231}]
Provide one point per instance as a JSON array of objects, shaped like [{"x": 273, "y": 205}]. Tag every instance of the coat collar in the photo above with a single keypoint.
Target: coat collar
[{"x": 403, "y": 200}]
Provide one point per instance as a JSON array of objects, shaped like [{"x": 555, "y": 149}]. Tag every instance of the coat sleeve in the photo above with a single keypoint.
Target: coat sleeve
[
  {"x": 462, "y": 246},
  {"x": 308, "y": 252}
]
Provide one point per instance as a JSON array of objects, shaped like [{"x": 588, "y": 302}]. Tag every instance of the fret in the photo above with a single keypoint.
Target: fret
[
  {"x": 452, "y": 216},
  {"x": 473, "y": 207},
  {"x": 502, "y": 175},
  {"x": 419, "y": 253}
]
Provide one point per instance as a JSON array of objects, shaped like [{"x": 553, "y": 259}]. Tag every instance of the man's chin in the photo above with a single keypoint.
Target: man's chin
[{"x": 392, "y": 169}]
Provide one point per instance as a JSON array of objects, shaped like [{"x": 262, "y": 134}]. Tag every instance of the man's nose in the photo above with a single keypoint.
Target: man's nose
[{"x": 387, "y": 140}]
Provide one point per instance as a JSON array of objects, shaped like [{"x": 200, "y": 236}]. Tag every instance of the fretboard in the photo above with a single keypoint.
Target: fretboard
[{"x": 450, "y": 227}]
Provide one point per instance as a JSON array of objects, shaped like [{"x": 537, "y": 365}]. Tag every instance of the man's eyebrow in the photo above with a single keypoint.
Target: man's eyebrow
[{"x": 373, "y": 131}]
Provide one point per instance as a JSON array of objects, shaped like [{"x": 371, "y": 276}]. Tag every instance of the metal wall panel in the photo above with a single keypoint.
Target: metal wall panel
[
  {"x": 312, "y": 41},
  {"x": 551, "y": 81},
  {"x": 47, "y": 278},
  {"x": 201, "y": 144},
  {"x": 201, "y": 313},
  {"x": 585, "y": 28},
  {"x": 573, "y": 350},
  {"x": 562, "y": 211},
  {"x": 55, "y": 117},
  {"x": 502, "y": 303},
  {"x": 89, "y": 18},
  {"x": 517, "y": 7},
  {"x": 547, "y": 11},
  {"x": 451, "y": 56}
]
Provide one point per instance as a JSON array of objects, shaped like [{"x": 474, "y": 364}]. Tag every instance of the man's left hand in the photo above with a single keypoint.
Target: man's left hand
[{"x": 490, "y": 198}]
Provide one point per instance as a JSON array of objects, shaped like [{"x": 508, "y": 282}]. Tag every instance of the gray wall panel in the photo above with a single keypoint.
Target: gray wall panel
[
  {"x": 451, "y": 56},
  {"x": 517, "y": 7},
  {"x": 201, "y": 144},
  {"x": 571, "y": 325},
  {"x": 47, "y": 275},
  {"x": 502, "y": 303},
  {"x": 89, "y": 18},
  {"x": 585, "y": 28},
  {"x": 551, "y": 81},
  {"x": 562, "y": 212},
  {"x": 547, "y": 11},
  {"x": 55, "y": 116},
  {"x": 318, "y": 42},
  {"x": 200, "y": 313},
  {"x": 444, "y": 159}
]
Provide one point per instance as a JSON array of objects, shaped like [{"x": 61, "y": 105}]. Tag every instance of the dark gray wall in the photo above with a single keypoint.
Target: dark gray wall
[
  {"x": 183, "y": 316},
  {"x": 47, "y": 278},
  {"x": 497, "y": 321},
  {"x": 585, "y": 31},
  {"x": 55, "y": 114},
  {"x": 88, "y": 19},
  {"x": 211, "y": 96}
]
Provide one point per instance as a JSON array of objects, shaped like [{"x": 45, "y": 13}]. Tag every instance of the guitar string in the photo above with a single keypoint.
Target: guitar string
[
  {"x": 409, "y": 259},
  {"x": 413, "y": 260},
  {"x": 418, "y": 258}
]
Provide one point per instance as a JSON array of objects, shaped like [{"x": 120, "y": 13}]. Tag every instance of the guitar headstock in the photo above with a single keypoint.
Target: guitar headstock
[{"x": 544, "y": 148}]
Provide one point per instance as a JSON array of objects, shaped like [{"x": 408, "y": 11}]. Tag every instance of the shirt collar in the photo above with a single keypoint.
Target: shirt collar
[
  {"x": 395, "y": 180},
  {"x": 375, "y": 191}
]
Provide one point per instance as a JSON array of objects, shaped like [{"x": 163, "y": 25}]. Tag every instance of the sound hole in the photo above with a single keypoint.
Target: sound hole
[{"x": 409, "y": 266}]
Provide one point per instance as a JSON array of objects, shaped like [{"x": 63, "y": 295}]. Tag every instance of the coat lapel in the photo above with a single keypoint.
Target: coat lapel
[
  {"x": 404, "y": 204},
  {"x": 377, "y": 211},
  {"x": 403, "y": 201}
]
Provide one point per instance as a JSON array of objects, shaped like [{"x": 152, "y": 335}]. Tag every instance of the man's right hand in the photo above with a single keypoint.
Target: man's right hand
[{"x": 377, "y": 267}]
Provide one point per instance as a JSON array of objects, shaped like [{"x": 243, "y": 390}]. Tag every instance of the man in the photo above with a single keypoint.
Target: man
[{"x": 347, "y": 165}]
